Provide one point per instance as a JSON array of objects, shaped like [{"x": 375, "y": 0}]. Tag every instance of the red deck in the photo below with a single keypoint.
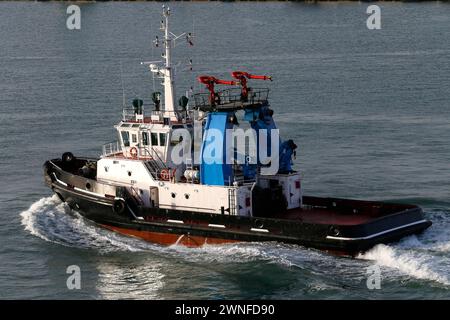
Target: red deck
[{"x": 340, "y": 211}]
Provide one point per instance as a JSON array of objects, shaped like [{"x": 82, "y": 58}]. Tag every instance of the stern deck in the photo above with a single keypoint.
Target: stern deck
[{"x": 331, "y": 211}]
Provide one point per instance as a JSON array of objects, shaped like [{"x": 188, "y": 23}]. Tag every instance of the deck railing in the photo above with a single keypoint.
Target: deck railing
[
  {"x": 232, "y": 98},
  {"x": 130, "y": 114},
  {"x": 111, "y": 148}
]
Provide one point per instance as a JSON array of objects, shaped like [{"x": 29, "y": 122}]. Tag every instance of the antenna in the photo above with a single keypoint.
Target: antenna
[{"x": 165, "y": 70}]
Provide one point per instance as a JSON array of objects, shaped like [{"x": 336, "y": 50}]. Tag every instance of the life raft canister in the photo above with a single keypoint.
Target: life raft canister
[{"x": 134, "y": 152}]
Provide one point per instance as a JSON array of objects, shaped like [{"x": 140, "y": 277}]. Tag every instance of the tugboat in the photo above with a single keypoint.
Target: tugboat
[{"x": 155, "y": 184}]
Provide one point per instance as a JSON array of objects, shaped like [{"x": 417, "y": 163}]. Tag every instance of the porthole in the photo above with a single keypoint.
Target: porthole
[
  {"x": 88, "y": 186},
  {"x": 186, "y": 196},
  {"x": 129, "y": 173},
  {"x": 173, "y": 194}
]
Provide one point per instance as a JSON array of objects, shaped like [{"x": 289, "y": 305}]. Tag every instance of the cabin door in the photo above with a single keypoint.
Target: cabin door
[{"x": 154, "y": 197}]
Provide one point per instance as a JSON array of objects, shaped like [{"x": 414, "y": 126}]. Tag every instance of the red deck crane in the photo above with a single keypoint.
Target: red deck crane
[
  {"x": 242, "y": 77},
  {"x": 210, "y": 81}
]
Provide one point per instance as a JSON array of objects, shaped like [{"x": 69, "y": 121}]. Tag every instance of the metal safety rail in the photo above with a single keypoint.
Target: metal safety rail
[
  {"x": 155, "y": 165},
  {"x": 232, "y": 99},
  {"x": 111, "y": 148}
]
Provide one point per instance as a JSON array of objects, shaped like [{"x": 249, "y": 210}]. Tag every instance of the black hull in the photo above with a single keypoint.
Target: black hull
[{"x": 170, "y": 226}]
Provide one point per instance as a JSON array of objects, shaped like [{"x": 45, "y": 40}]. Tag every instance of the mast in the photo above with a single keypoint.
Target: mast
[
  {"x": 165, "y": 70},
  {"x": 169, "y": 90}
]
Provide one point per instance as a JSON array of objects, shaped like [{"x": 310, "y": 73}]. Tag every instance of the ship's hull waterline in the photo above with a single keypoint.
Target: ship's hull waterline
[{"x": 340, "y": 226}]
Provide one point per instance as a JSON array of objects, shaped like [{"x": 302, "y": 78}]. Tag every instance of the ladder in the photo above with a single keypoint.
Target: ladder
[
  {"x": 137, "y": 197},
  {"x": 232, "y": 201},
  {"x": 155, "y": 165}
]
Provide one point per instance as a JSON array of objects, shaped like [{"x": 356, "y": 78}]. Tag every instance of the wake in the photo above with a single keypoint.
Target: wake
[
  {"x": 52, "y": 221},
  {"x": 425, "y": 258}
]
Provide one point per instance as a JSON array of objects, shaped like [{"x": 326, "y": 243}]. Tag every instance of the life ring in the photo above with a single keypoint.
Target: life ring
[
  {"x": 134, "y": 152},
  {"x": 118, "y": 206},
  {"x": 165, "y": 174}
]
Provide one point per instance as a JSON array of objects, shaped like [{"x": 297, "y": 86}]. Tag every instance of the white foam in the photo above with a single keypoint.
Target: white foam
[
  {"x": 241, "y": 252},
  {"x": 52, "y": 221},
  {"x": 244, "y": 252},
  {"x": 420, "y": 257},
  {"x": 412, "y": 263},
  {"x": 29, "y": 216}
]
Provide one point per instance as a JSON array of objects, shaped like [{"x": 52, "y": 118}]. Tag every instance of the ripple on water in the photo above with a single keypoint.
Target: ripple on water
[{"x": 283, "y": 270}]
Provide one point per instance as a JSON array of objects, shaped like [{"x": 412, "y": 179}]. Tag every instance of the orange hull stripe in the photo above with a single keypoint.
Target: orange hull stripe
[{"x": 169, "y": 238}]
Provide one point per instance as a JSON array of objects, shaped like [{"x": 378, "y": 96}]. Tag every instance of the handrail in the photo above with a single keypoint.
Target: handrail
[
  {"x": 153, "y": 153},
  {"x": 66, "y": 173},
  {"x": 136, "y": 194},
  {"x": 129, "y": 114},
  {"x": 232, "y": 98},
  {"x": 111, "y": 148}
]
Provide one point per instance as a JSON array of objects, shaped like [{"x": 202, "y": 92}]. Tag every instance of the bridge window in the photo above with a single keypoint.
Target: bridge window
[
  {"x": 125, "y": 138},
  {"x": 162, "y": 139},
  {"x": 134, "y": 138},
  {"x": 145, "y": 138},
  {"x": 154, "y": 139}
]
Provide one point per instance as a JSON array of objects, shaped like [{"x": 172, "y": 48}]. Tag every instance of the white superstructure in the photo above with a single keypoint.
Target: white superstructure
[{"x": 141, "y": 158}]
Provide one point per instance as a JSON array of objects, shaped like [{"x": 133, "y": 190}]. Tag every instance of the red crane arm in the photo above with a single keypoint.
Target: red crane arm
[
  {"x": 210, "y": 81},
  {"x": 226, "y": 82},
  {"x": 242, "y": 77},
  {"x": 241, "y": 74}
]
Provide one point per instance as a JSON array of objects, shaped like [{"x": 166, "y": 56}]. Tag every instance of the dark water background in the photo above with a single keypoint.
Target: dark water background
[{"x": 369, "y": 109}]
